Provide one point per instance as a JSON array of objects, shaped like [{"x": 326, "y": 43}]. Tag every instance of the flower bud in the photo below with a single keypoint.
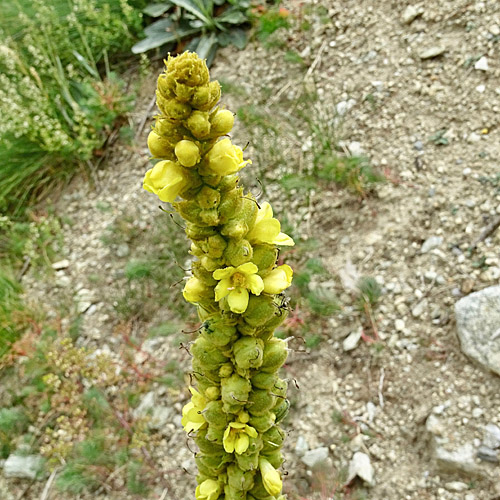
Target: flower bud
[
  {"x": 216, "y": 246},
  {"x": 188, "y": 69},
  {"x": 275, "y": 355},
  {"x": 238, "y": 252},
  {"x": 281, "y": 409},
  {"x": 208, "y": 197},
  {"x": 238, "y": 479},
  {"x": 235, "y": 390},
  {"x": 273, "y": 439},
  {"x": 210, "y": 216},
  {"x": 159, "y": 147},
  {"x": 219, "y": 333},
  {"x": 166, "y": 179},
  {"x": 215, "y": 435},
  {"x": 187, "y": 153},
  {"x": 248, "y": 352},
  {"x": 270, "y": 477},
  {"x": 224, "y": 158},
  {"x": 260, "y": 310},
  {"x": 263, "y": 380},
  {"x": 196, "y": 233},
  {"x": 235, "y": 228},
  {"x": 264, "y": 257},
  {"x": 222, "y": 123},
  {"x": 195, "y": 290},
  {"x": 215, "y": 463},
  {"x": 170, "y": 131},
  {"x": 208, "y": 490},
  {"x": 189, "y": 210},
  {"x": 262, "y": 423},
  {"x": 199, "y": 125},
  {"x": 164, "y": 86},
  {"x": 183, "y": 92},
  {"x": 208, "y": 357},
  {"x": 260, "y": 401},
  {"x": 248, "y": 461},
  {"x": 231, "y": 493},
  {"x": 212, "y": 393},
  {"x": 226, "y": 370},
  {"x": 215, "y": 416}
]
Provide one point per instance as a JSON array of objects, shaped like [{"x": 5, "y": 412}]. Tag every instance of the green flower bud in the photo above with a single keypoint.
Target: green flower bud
[
  {"x": 234, "y": 493},
  {"x": 169, "y": 130},
  {"x": 263, "y": 380},
  {"x": 264, "y": 257},
  {"x": 208, "y": 357},
  {"x": 272, "y": 439},
  {"x": 164, "y": 86},
  {"x": 215, "y": 463},
  {"x": 248, "y": 461},
  {"x": 207, "y": 447},
  {"x": 210, "y": 264},
  {"x": 281, "y": 409},
  {"x": 206, "y": 97},
  {"x": 235, "y": 390},
  {"x": 229, "y": 183},
  {"x": 196, "y": 233},
  {"x": 202, "y": 274},
  {"x": 215, "y": 435},
  {"x": 216, "y": 246},
  {"x": 219, "y": 333},
  {"x": 184, "y": 93},
  {"x": 248, "y": 352},
  {"x": 238, "y": 252},
  {"x": 215, "y": 416},
  {"x": 260, "y": 401},
  {"x": 238, "y": 479},
  {"x": 246, "y": 329},
  {"x": 172, "y": 108},
  {"x": 189, "y": 210},
  {"x": 187, "y": 153},
  {"x": 226, "y": 370},
  {"x": 260, "y": 310},
  {"x": 212, "y": 393},
  {"x": 205, "y": 377},
  {"x": 188, "y": 69},
  {"x": 249, "y": 211},
  {"x": 280, "y": 387},
  {"x": 199, "y": 125},
  {"x": 222, "y": 122},
  {"x": 258, "y": 491},
  {"x": 159, "y": 147},
  {"x": 275, "y": 458},
  {"x": 275, "y": 355},
  {"x": 234, "y": 228},
  {"x": 210, "y": 217},
  {"x": 262, "y": 423},
  {"x": 208, "y": 198},
  {"x": 230, "y": 204}
]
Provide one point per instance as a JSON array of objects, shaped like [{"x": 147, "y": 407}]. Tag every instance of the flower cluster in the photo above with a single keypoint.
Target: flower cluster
[{"x": 236, "y": 285}]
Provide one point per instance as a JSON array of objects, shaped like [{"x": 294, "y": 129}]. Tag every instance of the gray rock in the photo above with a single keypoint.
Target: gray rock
[
  {"x": 355, "y": 148},
  {"x": 344, "y": 106},
  {"x": 432, "y": 52},
  {"x": 22, "y": 467},
  {"x": 351, "y": 341},
  {"x": 487, "y": 454},
  {"x": 419, "y": 309},
  {"x": 302, "y": 447},
  {"x": 482, "y": 64},
  {"x": 431, "y": 243},
  {"x": 459, "y": 459},
  {"x": 478, "y": 327},
  {"x": 61, "y": 264},
  {"x": 411, "y": 13},
  {"x": 360, "y": 466},
  {"x": 146, "y": 404},
  {"x": 313, "y": 458},
  {"x": 418, "y": 145},
  {"x": 122, "y": 250},
  {"x": 491, "y": 436},
  {"x": 160, "y": 417}
]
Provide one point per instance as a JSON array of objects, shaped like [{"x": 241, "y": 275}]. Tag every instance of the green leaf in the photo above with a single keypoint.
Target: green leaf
[
  {"x": 161, "y": 38},
  {"x": 237, "y": 37},
  {"x": 85, "y": 64},
  {"x": 157, "y": 9},
  {"x": 232, "y": 15},
  {"x": 194, "y": 9},
  {"x": 207, "y": 46},
  {"x": 159, "y": 26}
]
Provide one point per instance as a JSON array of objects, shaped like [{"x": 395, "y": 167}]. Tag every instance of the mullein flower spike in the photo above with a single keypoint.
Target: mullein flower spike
[{"x": 236, "y": 286}]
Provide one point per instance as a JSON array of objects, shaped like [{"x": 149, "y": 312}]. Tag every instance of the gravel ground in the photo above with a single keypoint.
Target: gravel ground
[{"x": 416, "y": 407}]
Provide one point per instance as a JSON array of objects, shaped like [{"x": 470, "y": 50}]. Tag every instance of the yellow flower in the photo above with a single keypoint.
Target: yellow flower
[
  {"x": 235, "y": 283},
  {"x": 166, "y": 180},
  {"x": 192, "y": 418},
  {"x": 224, "y": 158},
  {"x": 210, "y": 489},
  {"x": 194, "y": 290},
  {"x": 268, "y": 230},
  {"x": 187, "y": 153},
  {"x": 270, "y": 477},
  {"x": 237, "y": 437},
  {"x": 278, "y": 279}
]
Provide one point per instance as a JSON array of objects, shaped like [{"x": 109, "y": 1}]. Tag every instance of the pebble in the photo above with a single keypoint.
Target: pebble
[
  {"x": 351, "y": 341},
  {"x": 313, "y": 458},
  {"x": 301, "y": 447},
  {"x": 456, "y": 486},
  {"x": 419, "y": 309},
  {"x": 61, "y": 264},
  {"x": 122, "y": 250},
  {"x": 481, "y": 64},
  {"x": 22, "y": 467},
  {"x": 399, "y": 325},
  {"x": 418, "y": 145},
  {"x": 473, "y": 137},
  {"x": 146, "y": 404},
  {"x": 487, "y": 454},
  {"x": 431, "y": 243},
  {"x": 432, "y": 52},
  {"x": 360, "y": 466},
  {"x": 411, "y": 13},
  {"x": 492, "y": 436},
  {"x": 344, "y": 106}
]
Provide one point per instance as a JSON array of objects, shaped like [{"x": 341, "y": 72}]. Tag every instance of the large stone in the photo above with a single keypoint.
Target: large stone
[
  {"x": 478, "y": 327},
  {"x": 316, "y": 457},
  {"x": 22, "y": 467},
  {"x": 360, "y": 466}
]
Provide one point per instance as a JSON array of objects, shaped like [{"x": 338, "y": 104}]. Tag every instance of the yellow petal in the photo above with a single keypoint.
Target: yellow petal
[
  {"x": 265, "y": 231},
  {"x": 238, "y": 300},
  {"x": 228, "y": 440},
  {"x": 208, "y": 490},
  {"x": 251, "y": 431},
  {"x": 193, "y": 290},
  {"x": 284, "y": 240},
  {"x": 166, "y": 180},
  {"x": 242, "y": 443},
  {"x": 270, "y": 477},
  {"x": 248, "y": 268},
  {"x": 278, "y": 279},
  {"x": 225, "y": 272},
  {"x": 255, "y": 284},
  {"x": 222, "y": 288}
]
